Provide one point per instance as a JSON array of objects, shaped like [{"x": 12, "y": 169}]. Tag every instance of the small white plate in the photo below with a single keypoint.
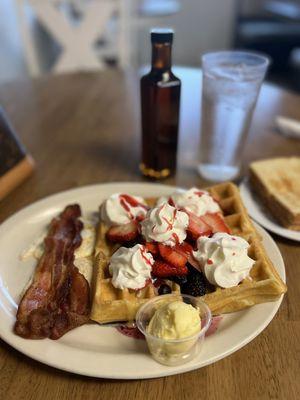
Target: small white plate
[
  {"x": 92, "y": 349},
  {"x": 261, "y": 215}
]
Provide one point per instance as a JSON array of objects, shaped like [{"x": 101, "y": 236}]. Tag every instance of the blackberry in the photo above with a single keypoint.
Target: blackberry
[
  {"x": 195, "y": 284},
  {"x": 180, "y": 280},
  {"x": 164, "y": 289}
]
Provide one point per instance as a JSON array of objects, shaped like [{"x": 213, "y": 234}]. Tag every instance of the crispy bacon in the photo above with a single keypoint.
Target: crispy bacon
[{"x": 58, "y": 299}]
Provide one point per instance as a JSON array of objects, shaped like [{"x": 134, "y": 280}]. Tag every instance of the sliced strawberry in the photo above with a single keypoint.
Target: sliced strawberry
[
  {"x": 216, "y": 222},
  {"x": 151, "y": 247},
  {"x": 197, "y": 227},
  {"x": 187, "y": 250},
  {"x": 123, "y": 233},
  {"x": 184, "y": 248},
  {"x": 172, "y": 256},
  {"x": 161, "y": 269},
  {"x": 194, "y": 263}
]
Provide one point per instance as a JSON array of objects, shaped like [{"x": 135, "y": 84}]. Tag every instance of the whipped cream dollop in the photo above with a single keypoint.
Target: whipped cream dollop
[
  {"x": 131, "y": 267},
  {"x": 165, "y": 224},
  {"x": 224, "y": 259},
  {"x": 120, "y": 209},
  {"x": 196, "y": 201}
]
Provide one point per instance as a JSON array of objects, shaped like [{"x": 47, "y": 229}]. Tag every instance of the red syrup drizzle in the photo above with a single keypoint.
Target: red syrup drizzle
[
  {"x": 170, "y": 226},
  {"x": 134, "y": 333},
  {"x": 169, "y": 223},
  {"x": 176, "y": 238},
  {"x": 199, "y": 193},
  {"x": 127, "y": 201},
  {"x": 132, "y": 201},
  {"x": 143, "y": 254}
]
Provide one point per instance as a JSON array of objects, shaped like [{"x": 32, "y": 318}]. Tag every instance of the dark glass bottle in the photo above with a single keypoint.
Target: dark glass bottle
[{"x": 160, "y": 101}]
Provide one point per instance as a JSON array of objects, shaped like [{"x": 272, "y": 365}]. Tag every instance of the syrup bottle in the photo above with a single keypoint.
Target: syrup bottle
[{"x": 160, "y": 100}]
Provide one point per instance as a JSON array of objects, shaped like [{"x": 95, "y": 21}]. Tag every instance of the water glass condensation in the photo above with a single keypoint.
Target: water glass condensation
[{"x": 231, "y": 84}]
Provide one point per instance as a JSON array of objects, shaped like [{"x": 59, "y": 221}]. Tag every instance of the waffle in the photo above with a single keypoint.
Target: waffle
[
  {"x": 111, "y": 304},
  {"x": 263, "y": 285}
]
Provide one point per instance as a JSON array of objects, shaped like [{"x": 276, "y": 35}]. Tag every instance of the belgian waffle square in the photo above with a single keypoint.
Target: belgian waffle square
[
  {"x": 111, "y": 304},
  {"x": 263, "y": 285}
]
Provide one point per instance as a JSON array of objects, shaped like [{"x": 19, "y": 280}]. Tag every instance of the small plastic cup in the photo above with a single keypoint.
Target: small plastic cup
[{"x": 173, "y": 351}]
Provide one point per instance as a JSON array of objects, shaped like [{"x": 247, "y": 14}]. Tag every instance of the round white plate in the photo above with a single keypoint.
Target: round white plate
[
  {"x": 261, "y": 215},
  {"x": 102, "y": 351}
]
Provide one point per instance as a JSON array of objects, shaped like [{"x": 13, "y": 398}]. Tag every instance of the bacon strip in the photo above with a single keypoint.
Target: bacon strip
[{"x": 58, "y": 299}]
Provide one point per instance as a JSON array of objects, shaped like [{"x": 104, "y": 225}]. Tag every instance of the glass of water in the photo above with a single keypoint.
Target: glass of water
[{"x": 231, "y": 84}]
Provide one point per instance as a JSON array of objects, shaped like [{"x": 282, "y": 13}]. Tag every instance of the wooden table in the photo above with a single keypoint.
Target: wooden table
[{"x": 84, "y": 129}]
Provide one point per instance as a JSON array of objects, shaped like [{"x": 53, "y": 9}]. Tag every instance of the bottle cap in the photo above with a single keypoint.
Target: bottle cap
[{"x": 162, "y": 35}]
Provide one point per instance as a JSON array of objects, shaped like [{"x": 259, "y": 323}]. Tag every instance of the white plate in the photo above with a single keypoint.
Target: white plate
[
  {"x": 261, "y": 215},
  {"x": 92, "y": 349}
]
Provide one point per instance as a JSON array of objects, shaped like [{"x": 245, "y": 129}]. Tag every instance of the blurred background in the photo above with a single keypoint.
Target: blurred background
[{"x": 58, "y": 36}]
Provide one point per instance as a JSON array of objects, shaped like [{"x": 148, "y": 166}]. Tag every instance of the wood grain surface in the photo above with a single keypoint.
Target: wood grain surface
[{"x": 83, "y": 129}]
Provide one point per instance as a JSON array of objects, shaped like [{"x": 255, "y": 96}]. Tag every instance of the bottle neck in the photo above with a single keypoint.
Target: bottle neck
[{"x": 161, "y": 56}]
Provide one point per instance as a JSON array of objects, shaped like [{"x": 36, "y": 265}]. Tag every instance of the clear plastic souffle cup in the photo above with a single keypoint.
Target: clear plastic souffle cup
[{"x": 173, "y": 352}]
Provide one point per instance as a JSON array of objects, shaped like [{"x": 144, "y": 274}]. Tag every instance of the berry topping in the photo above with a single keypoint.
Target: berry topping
[
  {"x": 180, "y": 280},
  {"x": 170, "y": 254},
  {"x": 123, "y": 233},
  {"x": 151, "y": 247},
  {"x": 185, "y": 249},
  {"x": 132, "y": 332},
  {"x": 164, "y": 289},
  {"x": 216, "y": 222},
  {"x": 197, "y": 227},
  {"x": 192, "y": 261},
  {"x": 215, "y": 322},
  {"x": 161, "y": 269},
  {"x": 195, "y": 284}
]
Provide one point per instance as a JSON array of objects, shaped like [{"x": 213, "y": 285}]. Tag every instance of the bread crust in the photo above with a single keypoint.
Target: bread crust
[{"x": 277, "y": 184}]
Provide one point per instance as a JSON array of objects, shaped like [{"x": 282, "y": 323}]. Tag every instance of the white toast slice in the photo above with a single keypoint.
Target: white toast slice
[{"x": 276, "y": 181}]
